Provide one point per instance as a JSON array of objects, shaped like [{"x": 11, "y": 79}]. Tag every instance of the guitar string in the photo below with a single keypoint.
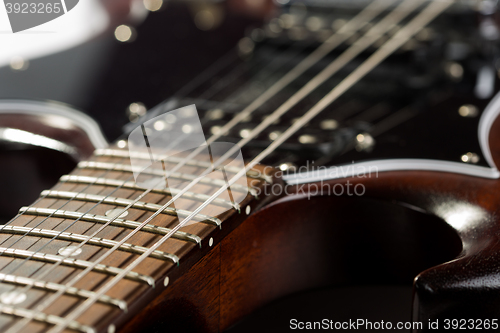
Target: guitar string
[
  {"x": 290, "y": 56},
  {"x": 407, "y": 32},
  {"x": 365, "y": 22}
]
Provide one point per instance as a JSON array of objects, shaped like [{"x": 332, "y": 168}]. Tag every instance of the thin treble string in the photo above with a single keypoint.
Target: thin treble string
[
  {"x": 407, "y": 32},
  {"x": 345, "y": 32},
  {"x": 372, "y": 9},
  {"x": 129, "y": 235},
  {"x": 126, "y": 208},
  {"x": 395, "y": 16}
]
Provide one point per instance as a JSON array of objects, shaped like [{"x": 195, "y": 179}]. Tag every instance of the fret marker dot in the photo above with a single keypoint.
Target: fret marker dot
[
  {"x": 210, "y": 241},
  {"x": 111, "y": 328},
  {"x": 114, "y": 212},
  {"x": 166, "y": 281},
  {"x": 71, "y": 251},
  {"x": 247, "y": 210},
  {"x": 12, "y": 297}
]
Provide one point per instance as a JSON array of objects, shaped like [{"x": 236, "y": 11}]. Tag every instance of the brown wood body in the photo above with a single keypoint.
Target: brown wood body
[{"x": 439, "y": 229}]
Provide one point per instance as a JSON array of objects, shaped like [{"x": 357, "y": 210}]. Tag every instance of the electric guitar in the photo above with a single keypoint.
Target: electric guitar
[{"x": 370, "y": 136}]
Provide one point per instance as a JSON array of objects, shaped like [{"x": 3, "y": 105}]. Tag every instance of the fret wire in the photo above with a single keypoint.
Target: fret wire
[
  {"x": 409, "y": 30},
  {"x": 161, "y": 173},
  {"x": 181, "y": 235},
  {"x": 44, "y": 318},
  {"x": 52, "y": 286},
  {"x": 125, "y": 202},
  {"x": 75, "y": 263},
  {"x": 72, "y": 237},
  {"x": 380, "y": 4},
  {"x": 26, "y": 320},
  {"x": 102, "y": 228}
]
